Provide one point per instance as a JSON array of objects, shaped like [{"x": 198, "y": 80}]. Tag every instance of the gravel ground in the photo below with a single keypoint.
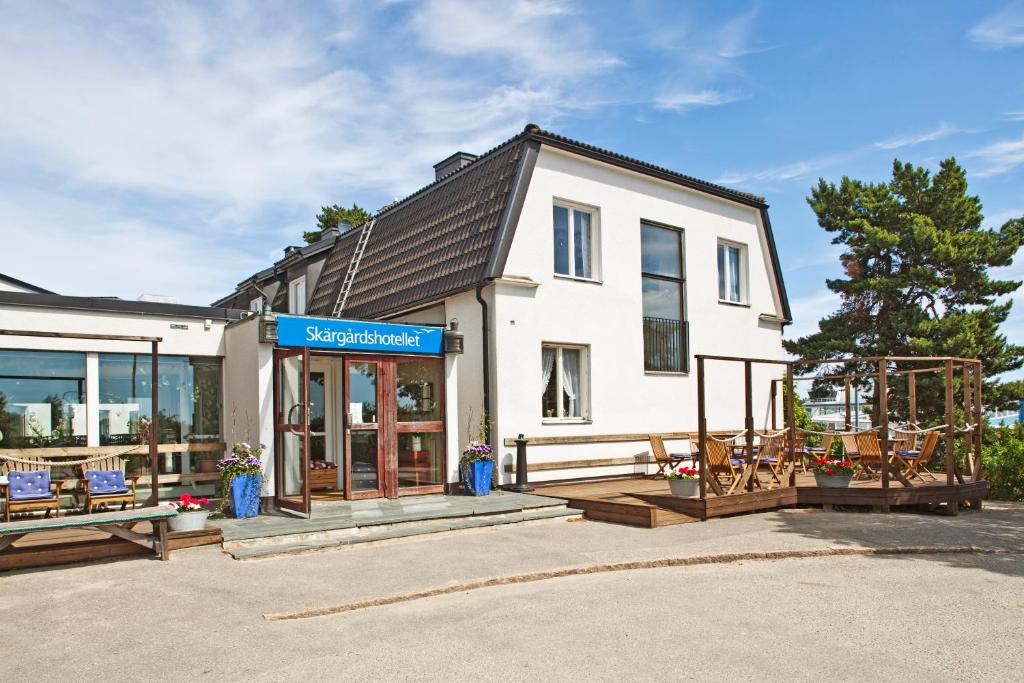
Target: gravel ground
[{"x": 946, "y": 616}]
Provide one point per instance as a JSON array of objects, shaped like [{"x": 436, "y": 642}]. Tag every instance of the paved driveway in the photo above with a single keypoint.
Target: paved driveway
[{"x": 941, "y": 616}]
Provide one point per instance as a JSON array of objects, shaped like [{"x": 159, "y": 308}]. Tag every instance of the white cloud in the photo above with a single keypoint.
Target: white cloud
[
  {"x": 1002, "y": 29},
  {"x": 1014, "y": 116},
  {"x": 797, "y": 170},
  {"x": 683, "y": 100},
  {"x": 999, "y": 157},
  {"x": 997, "y": 219},
  {"x": 940, "y": 131}
]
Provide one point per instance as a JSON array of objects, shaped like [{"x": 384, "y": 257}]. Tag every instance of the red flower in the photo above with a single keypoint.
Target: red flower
[{"x": 829, "y": 470}]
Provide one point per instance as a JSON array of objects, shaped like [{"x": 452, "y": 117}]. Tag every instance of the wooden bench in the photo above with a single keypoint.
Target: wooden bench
[{"x": 115, "y": 523}]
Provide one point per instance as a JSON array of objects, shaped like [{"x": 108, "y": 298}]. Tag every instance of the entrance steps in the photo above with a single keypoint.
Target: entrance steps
[{"x": 329, "y": 539}]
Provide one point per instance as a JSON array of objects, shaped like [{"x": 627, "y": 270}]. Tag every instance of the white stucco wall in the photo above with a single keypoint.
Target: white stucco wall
[
  {"x": 249, "y": 393},
  {"x": 607, "y": 315}
]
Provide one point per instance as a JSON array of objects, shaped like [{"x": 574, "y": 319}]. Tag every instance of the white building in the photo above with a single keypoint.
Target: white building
[{"x": 584, "y": 283}]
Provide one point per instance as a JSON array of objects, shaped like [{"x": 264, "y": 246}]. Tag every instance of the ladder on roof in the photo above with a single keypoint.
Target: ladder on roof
[{"x": 353, "y": 268}]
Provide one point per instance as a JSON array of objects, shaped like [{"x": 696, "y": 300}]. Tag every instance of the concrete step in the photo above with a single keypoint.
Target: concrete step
[{"x": 251, "y": 549}]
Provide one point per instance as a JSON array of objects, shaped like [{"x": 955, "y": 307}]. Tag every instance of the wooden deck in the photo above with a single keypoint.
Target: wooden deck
[
  {"x": 648, "y": 503},
  {"x": 48, "y": 548}
]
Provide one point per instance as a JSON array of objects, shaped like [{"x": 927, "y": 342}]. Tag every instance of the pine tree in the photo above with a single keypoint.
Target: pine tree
[
  {"x": 917, "y": 280},
  {"x": 332, "y": 216}
]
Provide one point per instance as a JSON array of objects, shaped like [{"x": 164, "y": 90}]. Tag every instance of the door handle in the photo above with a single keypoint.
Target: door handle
[{"x": 292, "y": 410}]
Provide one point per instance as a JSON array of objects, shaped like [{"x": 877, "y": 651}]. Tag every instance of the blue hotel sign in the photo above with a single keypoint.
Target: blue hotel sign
[{"x": 357, "y": 335}]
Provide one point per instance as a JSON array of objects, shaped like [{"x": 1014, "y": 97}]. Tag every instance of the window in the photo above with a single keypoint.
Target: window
[
  {"x": 256, "y": 305},
  {"x": 42, "y": 399},
  {"x": 574, "y": 239},
  {"x": 731, "y": 267},
  {"x": 297, "y": 296},
  {"x": 190, "y": 404},
  {"x": 564, "y": 379},
  {"x": 663, "y": 286}
]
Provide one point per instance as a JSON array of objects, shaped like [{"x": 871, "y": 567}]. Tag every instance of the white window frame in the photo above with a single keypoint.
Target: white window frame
[
  {"x": 584, "y": 397},
  {"x": 295, "y": 306},
  {"x": 742, "y": 274},
  {"x": 256, "y": 305},
  {"x": 595, "y": 240}
]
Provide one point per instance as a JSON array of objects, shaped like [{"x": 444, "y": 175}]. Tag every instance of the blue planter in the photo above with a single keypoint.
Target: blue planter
[
  {"x": 476, "y": 477},
  {"x": 245, "y": 495}
]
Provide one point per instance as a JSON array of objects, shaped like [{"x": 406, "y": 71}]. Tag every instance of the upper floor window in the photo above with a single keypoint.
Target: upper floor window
[
  {"x": 664, "y": 289},
  {"x": 256, "y": 304},
  {"x": 575, "y": 241},
  {"x": 297, "y": 296},
  {"x": 565, "y": 382},
  {"x": 732, "y": 264}
]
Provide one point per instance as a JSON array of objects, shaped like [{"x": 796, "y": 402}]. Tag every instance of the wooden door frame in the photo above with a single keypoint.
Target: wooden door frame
[
  {"x": 378, "y": 427},
  {"x": 280, "y": 499},
  {"x": 430, "y": 427}
]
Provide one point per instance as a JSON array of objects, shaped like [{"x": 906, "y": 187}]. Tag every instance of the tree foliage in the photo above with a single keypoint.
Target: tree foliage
[
  {"x": 332, "y": 216},
  {"x": 917, "y": 274}
]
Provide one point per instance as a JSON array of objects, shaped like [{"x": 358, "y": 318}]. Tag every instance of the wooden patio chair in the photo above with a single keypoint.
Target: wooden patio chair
[
  {"x": 822, "y": 450},
  {"x": 662, "y": 458},
  {"x": 850, "y": 445},
  {"x": 916, "y": 464},
  {"x": 724, "y": 472},
  {"x": 905, "y": 440},
  {"x": 771, "y": 454},
  {"x": 104, "y": 482},
  {"x": 31, "y": 490},
  {"x": 869, "y": 452}
]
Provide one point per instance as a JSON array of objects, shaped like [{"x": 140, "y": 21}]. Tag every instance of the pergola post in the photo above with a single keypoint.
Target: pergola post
[
  {"x": 846, "y": 396},
  {"x": 702, "y": 430},
  {"x": 774, "y": 393},
  {"x": 976, "y": 473},
  {"x": 912, "y": 396},
  {"x": 748, "y": 423},
  {"x": 154, "y": 428},
  {"x": 882, "y": 386},
  {"x": 791, "y": 423},
  {"x": 968, "y": 391},
  {"x": 950, "y": 427}
]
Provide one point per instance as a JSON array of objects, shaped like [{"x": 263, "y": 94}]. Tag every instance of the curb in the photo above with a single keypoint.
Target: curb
[{"x": 695, "y": 560}]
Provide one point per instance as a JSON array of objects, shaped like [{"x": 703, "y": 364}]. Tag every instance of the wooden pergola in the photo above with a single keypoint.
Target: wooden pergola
[{"x": 884, "y": 368}]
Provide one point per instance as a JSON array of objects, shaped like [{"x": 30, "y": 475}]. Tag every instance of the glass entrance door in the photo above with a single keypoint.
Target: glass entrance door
[
  {"x": 364, "y": 450},
  {"x": 291, "y": 429}
]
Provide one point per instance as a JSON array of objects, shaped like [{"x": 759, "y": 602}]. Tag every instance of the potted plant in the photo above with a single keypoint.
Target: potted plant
[
  {"x": 192, "y": 513},
  {"x": 241, "y": 476},
  {"x": 477, "y": 466},
  {"x": 683, "y": 482},
  {"x": 832, "y": 472}
]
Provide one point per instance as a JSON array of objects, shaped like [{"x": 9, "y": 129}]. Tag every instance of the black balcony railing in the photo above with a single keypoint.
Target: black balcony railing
[{"x": 665, "y": 345}]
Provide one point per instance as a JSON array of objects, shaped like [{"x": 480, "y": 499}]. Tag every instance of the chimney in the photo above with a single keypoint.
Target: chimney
[{"x": 452, "y": 164}]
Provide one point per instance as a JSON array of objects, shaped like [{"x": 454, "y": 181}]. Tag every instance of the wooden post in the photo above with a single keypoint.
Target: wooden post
[
  {"x": 154, "y": 428},
  {"x": 976, "y": 474},
  {"x": 912, "y": 394},
  {"x": 968, "y": 391},
  {"x": 846, "y": 395},
  {"x": 773, "y": 398},
  {"x": 748, "y": 423},
  {"x": 950, "y": 427},
  {"x": 791, "y": 423},
  {"x": 882, "y": 387},
  {"x": 702, "y": 430}
]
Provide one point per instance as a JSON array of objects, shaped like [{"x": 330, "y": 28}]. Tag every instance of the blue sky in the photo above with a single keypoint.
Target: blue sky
[{"x": 175, "y": 148}]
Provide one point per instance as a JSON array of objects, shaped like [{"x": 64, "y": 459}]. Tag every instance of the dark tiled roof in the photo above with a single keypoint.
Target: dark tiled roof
[
  {"x": 434, "y": 243},
  {"x": 449, "y": 236}
]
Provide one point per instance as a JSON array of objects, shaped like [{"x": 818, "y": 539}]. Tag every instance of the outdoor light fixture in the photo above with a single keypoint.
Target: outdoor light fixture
[
  {"x": 453, "y": 341},
  {"x": 267, "y": 328}
]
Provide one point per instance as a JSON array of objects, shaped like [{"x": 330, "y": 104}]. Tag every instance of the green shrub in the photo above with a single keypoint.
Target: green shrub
[{"x": 1002, "y": 461}]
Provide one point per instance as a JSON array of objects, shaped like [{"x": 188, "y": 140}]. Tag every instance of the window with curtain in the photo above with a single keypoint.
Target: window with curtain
[
  {"x": 297, "y": 296},
  {"x": 574, "y": 239},
  {"x": 663, "y": 290},
  {"x": 564, "y": 382},
  {"x": 731, "y": 265}
]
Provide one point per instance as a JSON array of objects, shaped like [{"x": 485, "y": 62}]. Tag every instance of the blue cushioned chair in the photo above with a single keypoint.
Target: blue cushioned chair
[
  {"x": 31, "y": 490},
  {"x": 105, "y": 484}
]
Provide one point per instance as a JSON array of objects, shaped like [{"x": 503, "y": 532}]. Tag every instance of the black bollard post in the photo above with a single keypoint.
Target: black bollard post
[{"x": 522, "y": 485}]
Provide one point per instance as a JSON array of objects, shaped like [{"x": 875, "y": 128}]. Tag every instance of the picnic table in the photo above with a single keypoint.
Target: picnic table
[{"x": 115, "y": 523}]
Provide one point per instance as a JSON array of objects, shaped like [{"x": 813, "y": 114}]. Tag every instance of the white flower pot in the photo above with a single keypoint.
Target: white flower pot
[
  {"x": 684, "y": 488},
  {"x": 188, "y": 521}
]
